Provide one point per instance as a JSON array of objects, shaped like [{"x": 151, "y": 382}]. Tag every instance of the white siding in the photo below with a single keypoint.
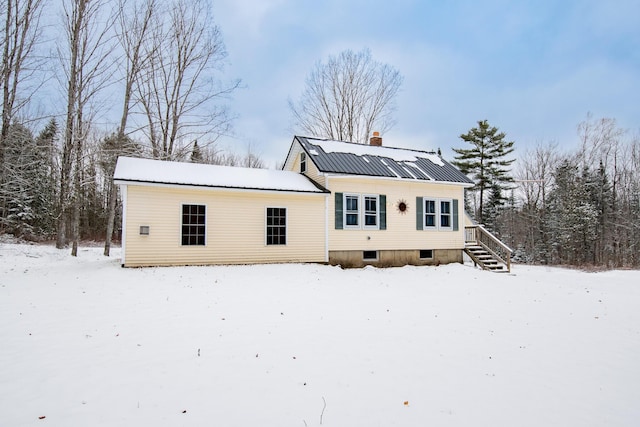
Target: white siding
[
  {"x": 293, "y": 164},
  {"x": 401, "y": 232},
  {"x": 235, "y": 227}
]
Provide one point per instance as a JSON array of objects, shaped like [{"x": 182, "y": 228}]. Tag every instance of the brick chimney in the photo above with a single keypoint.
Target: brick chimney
[{"x": 376, "y": 140}]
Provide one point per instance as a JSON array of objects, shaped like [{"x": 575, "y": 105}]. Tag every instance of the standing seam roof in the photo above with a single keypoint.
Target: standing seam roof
[{"x": 353, "y": 161}]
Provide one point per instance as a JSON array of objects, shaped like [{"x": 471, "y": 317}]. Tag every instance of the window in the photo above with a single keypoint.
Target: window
[
  {"x": 371, "y": 211},
  {"x": 351, "y": 211},
  {"x": 445, "y": 213},
  {"x": 276, "y": 226},
  {"x": 370, "y": 255},
  {"x": 144, "y": 230},
  {"x": 426, "y": 254},
  {"x": 429, "y": 213},
  {"x": 193, "y": 225},
  {"x": 436, "y": 214},
  {"x": 303, "y": 162},
  {"x": 360, "y": 211}
]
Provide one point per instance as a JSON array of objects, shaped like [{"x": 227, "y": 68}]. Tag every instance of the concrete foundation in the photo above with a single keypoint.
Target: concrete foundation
[{"x": 397, "y": 258}]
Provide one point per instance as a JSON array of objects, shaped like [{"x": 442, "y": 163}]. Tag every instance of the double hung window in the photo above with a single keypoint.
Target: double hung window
[
  {"x": 445, "y": 213},
  {"x": 370, "y": 211},
  {"x": 437, "y": 214},
  {"x": 360, "y": 211},
  {"x": 430, "y": 214},
  {"x": 352, "y": 210}
]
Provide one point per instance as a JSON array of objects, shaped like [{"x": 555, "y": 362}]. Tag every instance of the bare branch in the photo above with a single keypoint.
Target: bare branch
[{"x": 347, "y": 97}]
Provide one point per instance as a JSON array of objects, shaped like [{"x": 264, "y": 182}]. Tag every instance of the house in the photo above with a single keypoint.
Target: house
[
  {"x": 332, "y": 202},
  {"x": 189, "y": 214}
]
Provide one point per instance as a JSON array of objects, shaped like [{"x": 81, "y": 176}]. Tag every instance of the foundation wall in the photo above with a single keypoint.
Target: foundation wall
[{"x": 390, "y": 258}]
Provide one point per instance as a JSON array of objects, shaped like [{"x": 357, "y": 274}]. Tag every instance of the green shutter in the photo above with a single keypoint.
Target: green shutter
[
  {"x": 455, "y": 214},
  {"x": 383, "y": 212},
  {"x": 339, "y": 211},
  {"x": 419, "y": 216}
]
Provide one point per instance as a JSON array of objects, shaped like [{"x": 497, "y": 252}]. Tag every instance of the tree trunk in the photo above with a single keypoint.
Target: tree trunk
[{"x": 113, "y": 198}]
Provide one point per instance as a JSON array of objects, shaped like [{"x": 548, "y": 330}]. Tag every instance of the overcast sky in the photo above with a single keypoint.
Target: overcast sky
[{"x": 532, "y": 68}]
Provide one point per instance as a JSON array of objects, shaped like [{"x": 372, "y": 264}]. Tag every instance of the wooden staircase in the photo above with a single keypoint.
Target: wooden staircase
[{"x": 486, "y": 250}]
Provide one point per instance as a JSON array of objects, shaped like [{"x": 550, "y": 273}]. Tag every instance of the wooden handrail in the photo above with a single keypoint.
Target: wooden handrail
[{"x": 480, "y": 235}]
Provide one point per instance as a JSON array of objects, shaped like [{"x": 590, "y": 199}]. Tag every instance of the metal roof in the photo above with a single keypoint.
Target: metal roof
[{"x": 356, "y": 159}]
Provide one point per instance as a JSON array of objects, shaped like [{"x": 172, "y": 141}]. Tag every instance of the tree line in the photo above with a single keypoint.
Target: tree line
[
  {"x": 152, "y": 71},
  {"x": 122, "y": 77},
  {"x": 145, "y": 78},
  {"x": 579, "y": 208}
]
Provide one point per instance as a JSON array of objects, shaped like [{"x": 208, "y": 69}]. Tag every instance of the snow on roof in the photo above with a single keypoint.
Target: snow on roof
[
  {"x": 179, "y": 173},
  {"x": 397, "y": 154}
]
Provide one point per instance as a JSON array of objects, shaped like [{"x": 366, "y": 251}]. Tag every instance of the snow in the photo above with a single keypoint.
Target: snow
[
  {"x": 86, "y": 342},
  {"x": 397, "y": 154},
  {"x": 156, "y": 171}
]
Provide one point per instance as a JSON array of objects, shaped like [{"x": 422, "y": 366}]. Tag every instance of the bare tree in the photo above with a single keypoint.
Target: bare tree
[
  {"x": 87, "y": 71},
  {"x": 177, "y": 88},
  {"x": 347, "y": 98},
  {"x": 133, "y": 30},
  {"x": 534, "y": 178},
  {"x": 20, "y": 35}
]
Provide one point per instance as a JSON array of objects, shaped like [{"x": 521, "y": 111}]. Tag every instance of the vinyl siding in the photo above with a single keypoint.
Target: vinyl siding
[
  {"x": 401, "y": 233},
  {"x": 235, "y": 227},
  {"x": 293, "y": 164}
]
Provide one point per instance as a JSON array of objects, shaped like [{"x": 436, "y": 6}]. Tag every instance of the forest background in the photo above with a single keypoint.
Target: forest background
[{"x": 164, "y": 62}]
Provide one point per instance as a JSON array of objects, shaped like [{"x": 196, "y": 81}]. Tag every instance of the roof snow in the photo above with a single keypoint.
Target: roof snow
[
  {"x": 397, "y": 154},
  {"x": 129, "y": 169}
]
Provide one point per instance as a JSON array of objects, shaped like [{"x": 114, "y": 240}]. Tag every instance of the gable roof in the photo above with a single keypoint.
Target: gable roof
[
  {"x": 146, "y": 171},
  {"x": 359, "y": 159}
]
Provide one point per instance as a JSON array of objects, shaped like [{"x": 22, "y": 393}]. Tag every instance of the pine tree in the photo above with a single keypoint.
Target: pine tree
[
  {"x": 44, "y": 203},
  {"x": 196, "y": 154},
  {"x": 29, "y": 189},
  {"x": 494, "y": 207},
  {"x": 486, "y": 161}
]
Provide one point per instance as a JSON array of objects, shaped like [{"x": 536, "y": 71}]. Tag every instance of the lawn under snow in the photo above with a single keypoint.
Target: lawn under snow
[{"x": 84, "y": 342}]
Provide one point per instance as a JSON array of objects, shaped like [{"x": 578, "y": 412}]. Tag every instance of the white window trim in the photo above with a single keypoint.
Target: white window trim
[
  {"x": 361, "y": 212},
  {"x": 206, "y": 224},
  {"x": 364, "y": 214},
  {"x": 450, "y": 226},
  {"x": 438, "y": 225},
  {"x": 345, "y": 211},
  {"x": 286, "y": 225},
  {"x": 430, "y": 257},
  {"x": 303, "y": 162},
  {"x": 377, "y": 257},
  {"x": 424, "y": 213}
]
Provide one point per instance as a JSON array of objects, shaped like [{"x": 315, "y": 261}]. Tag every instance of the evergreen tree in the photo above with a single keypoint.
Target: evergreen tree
[
  {"x": 486, "y": 160},
  {"x": 572, "y": 216},
  {"x": 15, "y": 190},
  {"x": 494, "y": 207},
  {"x": 196, "y": 154},
  {"x": 44, "y": 186},
  {"x": 28, "y": 187}
]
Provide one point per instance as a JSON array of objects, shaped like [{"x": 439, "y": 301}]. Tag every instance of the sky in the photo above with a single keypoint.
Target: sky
[{"x": 534, "y": 69}]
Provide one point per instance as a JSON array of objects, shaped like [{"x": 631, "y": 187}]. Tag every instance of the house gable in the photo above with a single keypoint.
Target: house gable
[{"x": 345, "y": 158}]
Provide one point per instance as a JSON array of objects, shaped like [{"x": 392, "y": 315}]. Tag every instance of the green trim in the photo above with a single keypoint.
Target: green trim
[
  {"x": 419, "y": 216},
  {"x": 455, "y": 214},
  {"x": 383, "y": 212},
  {"x": 339, "y": 215}
]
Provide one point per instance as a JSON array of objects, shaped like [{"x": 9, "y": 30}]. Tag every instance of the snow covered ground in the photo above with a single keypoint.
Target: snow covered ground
[{"x": 84, "y": 342}]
